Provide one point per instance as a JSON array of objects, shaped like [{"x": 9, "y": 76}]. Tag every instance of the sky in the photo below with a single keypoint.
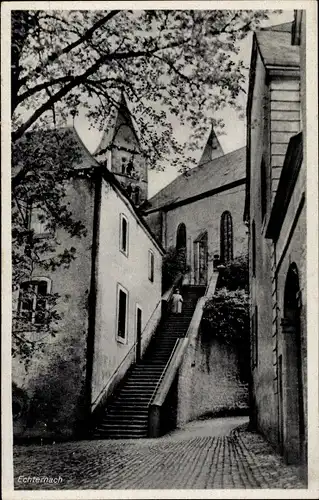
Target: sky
[{"x": 234, "y": 132}]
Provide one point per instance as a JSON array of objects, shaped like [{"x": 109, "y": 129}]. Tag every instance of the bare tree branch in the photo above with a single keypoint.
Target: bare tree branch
[
  {"x": 77, "y": 80},
  {"x": 86, "y": 36}
]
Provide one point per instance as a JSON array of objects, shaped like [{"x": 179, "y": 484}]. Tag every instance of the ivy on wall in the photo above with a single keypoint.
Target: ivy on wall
[{"x": 226, "y": 313}]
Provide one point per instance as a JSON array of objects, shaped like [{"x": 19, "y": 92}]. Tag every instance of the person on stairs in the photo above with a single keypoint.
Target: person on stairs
[{"x": 177, "y": 301}]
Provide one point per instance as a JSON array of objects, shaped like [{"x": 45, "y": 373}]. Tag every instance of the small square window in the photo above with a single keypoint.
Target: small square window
[
  {"x": 37, "y": 221},
  {"x": 150, "y": 266},
  {"x": 123, "y": 234},
  {"x": 33, "y": 300}
]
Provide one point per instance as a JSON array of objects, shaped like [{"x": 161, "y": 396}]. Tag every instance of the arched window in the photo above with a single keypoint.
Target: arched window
[
  {"x": 292, "y": 299},
  {"x": 226, "y": 238},
  {"x": 181, "y": 242},
  {"x": 181, "y": 236}
]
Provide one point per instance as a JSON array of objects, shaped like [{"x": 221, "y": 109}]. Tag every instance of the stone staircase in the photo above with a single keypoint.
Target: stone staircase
[{"x": 127, "y": 415}]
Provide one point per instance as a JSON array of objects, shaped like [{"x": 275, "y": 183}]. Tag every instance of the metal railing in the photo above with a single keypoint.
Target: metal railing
[{"x": 127, "y": 355}]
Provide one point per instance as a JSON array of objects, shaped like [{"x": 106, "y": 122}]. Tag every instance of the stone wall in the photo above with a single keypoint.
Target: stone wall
[
  {"x": 54, "y": 380},
  {"x": 209, "y": 382},
  {"x": 275, "y": 118}
]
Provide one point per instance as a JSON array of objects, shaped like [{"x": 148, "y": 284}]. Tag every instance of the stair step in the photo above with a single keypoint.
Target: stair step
[
  {"x": 120, "y": 426},
  {"x": 128, "y": 410},
  {"x": 127, "y": 415},
  {"x": 125, "y": 419}
]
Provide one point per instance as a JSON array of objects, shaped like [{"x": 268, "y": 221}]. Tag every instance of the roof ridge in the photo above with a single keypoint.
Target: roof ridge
[
  {"x": 219, "y": 157},
  {"x": 271, "y": 28},
  {"x": 193, "y": 171}
]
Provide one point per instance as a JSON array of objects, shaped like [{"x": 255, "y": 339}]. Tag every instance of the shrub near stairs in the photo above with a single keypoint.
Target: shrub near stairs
[{"x": 226, "y": 314}]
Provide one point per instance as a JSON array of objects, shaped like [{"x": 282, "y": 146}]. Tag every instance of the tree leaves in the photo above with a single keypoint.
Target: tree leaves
[{"x": 180, "y": 60}]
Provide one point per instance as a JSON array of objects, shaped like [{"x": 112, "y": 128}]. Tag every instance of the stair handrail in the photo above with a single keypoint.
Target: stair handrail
[
  {"x": 129, "y": 353},
  {"x": 193, "y": 326},
  {"x": 170, "y": 372},
  {"x": 163, "y": 373}
]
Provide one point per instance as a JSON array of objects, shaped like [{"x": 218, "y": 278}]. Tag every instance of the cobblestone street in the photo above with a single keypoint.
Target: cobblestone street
[{"x": 205, "y": 454}]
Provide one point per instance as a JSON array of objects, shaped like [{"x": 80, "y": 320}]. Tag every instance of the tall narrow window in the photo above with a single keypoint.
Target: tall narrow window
[
  {"x": 181, "y": 243},
  {"x": 136, "y": 195},
  {"x": 181, "y": 236},
  {"x": 37, "y": 221},
  {"x": 33, "y": 300},
  {"x": 123, "y": 165},
  {"x": 150, "y": 266},
  {"x": 122, "y": 304},
  {"x": 263, "y": 182},
  {"x": 123, "y": 234},
  {"x": 253, "y": 248},
  {"x": 226, "y": 238}
]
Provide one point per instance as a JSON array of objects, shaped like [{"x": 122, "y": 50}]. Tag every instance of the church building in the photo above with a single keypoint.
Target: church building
[{"x": 201, "y": 211}]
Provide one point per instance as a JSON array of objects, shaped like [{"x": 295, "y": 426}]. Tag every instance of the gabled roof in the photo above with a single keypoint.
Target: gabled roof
[
  {"x": 86, "y": 159},
  {"x": 212, "y": 175},
  {"x": 275, "y": 47},
  {"x": 82, "y": 157},
  {"x": 277, "y": 53},
  {"x": 283, "y": 27}
]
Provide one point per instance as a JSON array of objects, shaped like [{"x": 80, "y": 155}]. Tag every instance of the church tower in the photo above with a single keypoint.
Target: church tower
[{"x": 120, "y": 152}]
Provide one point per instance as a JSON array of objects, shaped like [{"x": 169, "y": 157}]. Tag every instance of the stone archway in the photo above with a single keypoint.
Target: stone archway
[{"x": 292, "y": 405}]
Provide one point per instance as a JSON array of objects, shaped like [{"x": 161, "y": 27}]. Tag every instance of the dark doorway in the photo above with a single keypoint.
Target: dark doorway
[
  {"x": 138, "y": 332},
  {"x": 201, "y": 259},
  {"x": 293, "y": 404}
]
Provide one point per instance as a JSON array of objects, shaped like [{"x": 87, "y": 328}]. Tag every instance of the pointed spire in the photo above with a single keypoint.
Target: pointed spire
[{"x": 212, "y": 148}]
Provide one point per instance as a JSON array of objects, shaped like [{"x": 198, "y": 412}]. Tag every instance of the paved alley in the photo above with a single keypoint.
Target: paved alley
[{"x": 216, "y": 453}]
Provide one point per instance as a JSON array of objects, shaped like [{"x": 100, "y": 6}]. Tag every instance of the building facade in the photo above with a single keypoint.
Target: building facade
[
  {"x": 275, "y": 214},
  {"x": 108, "y": 297},
  {"x": 201, "y": 212}
]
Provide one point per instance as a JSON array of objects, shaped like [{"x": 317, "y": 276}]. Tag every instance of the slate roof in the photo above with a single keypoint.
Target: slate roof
[
  {"x": 275, "y": 47},
  {"x": 205, "y": 177},
  {"x": 83, "y": 159},
  {"x": 86, "y": 159}
]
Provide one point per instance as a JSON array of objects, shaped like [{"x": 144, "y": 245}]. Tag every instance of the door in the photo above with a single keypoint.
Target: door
[
  {"x": 201, "y": 259},
  {"x": 203, "y": 262},
  {"x": 280, "y": 405},
  {"x": 138, "y": 332}
]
